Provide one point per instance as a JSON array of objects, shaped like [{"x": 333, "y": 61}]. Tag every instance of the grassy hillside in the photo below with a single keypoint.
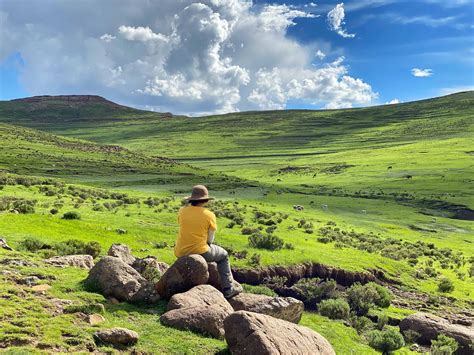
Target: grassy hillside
[{"x": 386, "y": 188}]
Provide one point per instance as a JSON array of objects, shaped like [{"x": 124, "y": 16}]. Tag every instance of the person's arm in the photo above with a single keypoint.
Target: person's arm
[
  {"x": 212, "y": 229},
  {"x": 210, "y": 236}
]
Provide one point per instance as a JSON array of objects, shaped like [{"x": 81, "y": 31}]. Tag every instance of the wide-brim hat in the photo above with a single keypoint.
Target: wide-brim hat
[{"x": 199, "y": 193}]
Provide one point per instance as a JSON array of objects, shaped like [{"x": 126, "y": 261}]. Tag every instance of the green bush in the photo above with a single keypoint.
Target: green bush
[
  {"x": 411, "y": 336},
  {"x": 93, "y": 249},
  {"x": 71, "y": 215},
  {"x": 32, "y": 244},
  {"x": 255, "y": 260},
  {"x": 313, "y": 291},
  {"x": 385, "y": 341},
  {"x": 334, "y": 308},
  {"x": 259, "y": 290},
  {"x": 445, "y": 285},
  {"x": 382, "y": 321},
  {"x": 364, "y": 297},
  {"x": 78, "y": 247},
  {"x": 443, "y": 345},
  {"x": 269, "y": 242},
  {"x": 360, "y": 324}
]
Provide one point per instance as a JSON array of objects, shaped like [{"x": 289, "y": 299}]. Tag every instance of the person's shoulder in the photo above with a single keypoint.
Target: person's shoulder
[{"x": 209, "y": 213}]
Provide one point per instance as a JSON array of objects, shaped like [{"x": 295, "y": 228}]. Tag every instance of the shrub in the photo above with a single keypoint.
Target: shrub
[
  {"x": 334, "y": 308},
  {"x": 93, "y": 249},
  {"x": 259, "y": 290},
  {"x": 160, "y": 245},
  {"x": 411, "y": 336},
  {"x": 249, "y": 231},
  {"x": 71, "y": 215},
  {"x": 269, "y": 242},
  {"x": 443, "y": 345},
  {"x": 76, "y": 247},
  {"x": 385, "y": 341},
  {"x": 32, "y": 244},
  {"x": 152, "y": 274},
  {"x": 360, "y": 324},
  {"x": 364, "y": 297},
  {"x": 54, "y": 211},
  {"x": 445, "y": 285},
  {"x": 255, "y": 260},
  {"x": 312, "y": 291},
  {"x": 382, "y": 321}
]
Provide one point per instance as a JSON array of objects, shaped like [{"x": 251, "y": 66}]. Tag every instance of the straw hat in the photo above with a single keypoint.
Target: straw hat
[{"x": 199, "y": 193}]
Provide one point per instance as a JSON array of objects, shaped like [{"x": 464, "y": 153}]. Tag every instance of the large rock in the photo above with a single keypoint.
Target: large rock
[
  {"x": 214, "y": 277},
  {"x": 114, "y": 278},
  {"x": 184, "y": 274},
  {"x": 201, "y": 309},
  {"x": 81, "y": 261},
  {"x": 206, "y": 320},
  {"x": 122, "y": 252},
  {"x": 430, "y": 326},
  {"x": 252, "y": 333},
  {"x": 117, "y": 336},
  {"x": 198, "y": 296},
  {"x": 286, "y": 308}
]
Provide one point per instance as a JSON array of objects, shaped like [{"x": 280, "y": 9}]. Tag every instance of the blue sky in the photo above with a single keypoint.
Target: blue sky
[{"x": 263, "y": 55}]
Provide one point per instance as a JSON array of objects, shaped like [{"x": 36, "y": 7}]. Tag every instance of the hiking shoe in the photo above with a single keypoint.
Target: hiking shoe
[{"x": 233, "y": 291}]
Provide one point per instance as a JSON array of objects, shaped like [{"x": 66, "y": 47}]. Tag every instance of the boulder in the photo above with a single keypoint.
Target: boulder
[
  {"x": 214, "y": 277},
  {"x": 81, "y": 261},
  {"x": 114, "y": 278},
  {"x": 286, "y": 308},
  {"x": 430, "y": 326},
  {"x": 141, "y": 265},
  {"x": 199, "y": 296},
  {"x": 122, "y": 252},
  {"x": 184, "y": 274},
  {"x": 94, "y": 319},
  {"x": 116, "y": 336},
  {"x": 253, "y": 333},
  {"x": 204, "y": 319},
  {"x": 4, "y": 244},
  {"x": 201, "y": 309}
]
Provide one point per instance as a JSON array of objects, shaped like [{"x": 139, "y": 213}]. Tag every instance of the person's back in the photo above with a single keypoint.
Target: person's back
[
  {"x": 197, "y": 226},
  {"x": 194, "y": 225}
]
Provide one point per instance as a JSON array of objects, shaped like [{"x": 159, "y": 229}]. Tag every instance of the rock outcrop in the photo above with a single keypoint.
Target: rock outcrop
[
  {"x": 122, "y": 252},
  {"x": 150, "y": 262},
  {"x": 4, "y": 244},
  {"x": 201, "y": 309},
  {"x": 114, "y": 278},
  {"x": 430, "y": 326},
  {"x": 81, "y": 261},
  {"x": 253, "y": 333},
  {"x": 116, "y": 336},
  {"x": 184, "y": 274},
  {"x": 286, "y": 308}
]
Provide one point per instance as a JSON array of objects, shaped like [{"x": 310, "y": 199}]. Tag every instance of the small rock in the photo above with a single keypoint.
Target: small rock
[
  {"x": 81, "y": 261},
  {"x": 41, "y": 288},
  {"x": 113, "y": 300},
  {"x": 117, "y": 336},
  {"x": 29, "y": 281},
  {"x": 94, "y": 319},
  {"x": 184, "y": 274},
  {"x": 17, "y": 262},
  {"x": 286, "y": 308},
  {"x": 122, "y": 252},
  {"x": 150, "y": 262},
  {"x": 4, "y": 245}
]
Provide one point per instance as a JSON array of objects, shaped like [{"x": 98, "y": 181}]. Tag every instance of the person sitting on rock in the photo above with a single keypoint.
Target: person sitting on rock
[{"x": 197, "y": 226}]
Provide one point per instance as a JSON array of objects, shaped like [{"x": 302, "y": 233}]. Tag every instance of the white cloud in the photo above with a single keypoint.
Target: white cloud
[
  {"x": 421, "y": 73},
  {"x": 336, "y": 21},
  {"x": 179, "y": 56},
  {"x": 280, "y": 17},
  {"x": 421, "y": 20},
  {"x": 107, "y": 37},
  {"x": 392, "y": 102},
  {"x": 142, "y": 34},
  {"x": 320, "y": 54}
]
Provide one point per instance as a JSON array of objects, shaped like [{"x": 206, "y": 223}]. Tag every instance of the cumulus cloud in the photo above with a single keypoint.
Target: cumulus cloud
[
  {"x": 280, "y": 17},
  {"x": 421, "y": 73},
  {"x": 180, "y": 56},
  {"x": 392, "y": 102},
  {"x": 336, "y": 21}
]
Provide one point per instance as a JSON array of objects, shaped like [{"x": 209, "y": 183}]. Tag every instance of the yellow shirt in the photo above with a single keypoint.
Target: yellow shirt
[{"x": 194, "y": 224}]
